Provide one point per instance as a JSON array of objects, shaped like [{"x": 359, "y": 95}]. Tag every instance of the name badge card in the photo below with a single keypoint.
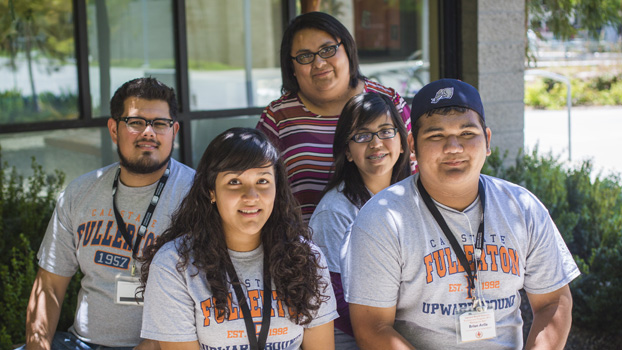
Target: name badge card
[
  {"x": 126, "y": 291},
  {"x": 476, "y": 325}
]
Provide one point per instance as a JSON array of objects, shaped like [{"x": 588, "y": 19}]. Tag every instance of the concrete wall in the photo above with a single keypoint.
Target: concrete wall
[{"x": 493, "y": 42}]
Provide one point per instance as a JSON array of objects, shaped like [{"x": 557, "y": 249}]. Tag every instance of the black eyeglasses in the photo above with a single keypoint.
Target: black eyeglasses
[
  {"x": 383, "y": 134},
  {"x": 325, "y": 52},
  {"x": 139, "y": 124}
]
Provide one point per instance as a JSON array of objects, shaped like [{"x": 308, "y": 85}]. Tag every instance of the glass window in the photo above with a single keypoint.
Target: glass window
[
  {"x": 204, "y": 131},
  {"x": 127, "y": 40},
  {"x": 233, "y": 53},
  {"x": 72, "y": 151},
  {"x": 391, "y": 38},
  {"x": 37, "y": 62}
]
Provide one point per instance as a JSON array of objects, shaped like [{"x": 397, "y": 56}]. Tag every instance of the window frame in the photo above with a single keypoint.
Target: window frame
[{"x": 450, "y": 54}]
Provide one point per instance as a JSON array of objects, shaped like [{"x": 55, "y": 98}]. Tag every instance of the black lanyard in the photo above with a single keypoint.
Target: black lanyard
[
  {"x": 256, "y": 343},
  {"x": 146, "y": 219},
  {"x": 479, "y": 241}
]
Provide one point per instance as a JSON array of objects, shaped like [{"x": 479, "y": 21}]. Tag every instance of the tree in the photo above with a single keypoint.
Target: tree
[
  {"x": 565, "y": 17},
  {"x": 39, "y": 29}
]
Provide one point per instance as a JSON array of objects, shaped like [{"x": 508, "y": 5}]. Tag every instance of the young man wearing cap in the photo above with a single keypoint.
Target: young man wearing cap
[{"x": 437, "y": 261}]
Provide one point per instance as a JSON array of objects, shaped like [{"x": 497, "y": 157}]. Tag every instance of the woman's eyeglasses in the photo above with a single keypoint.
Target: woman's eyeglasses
[
  {"x": 325, "y": 52},
  {"x": 368, "y": 136}
]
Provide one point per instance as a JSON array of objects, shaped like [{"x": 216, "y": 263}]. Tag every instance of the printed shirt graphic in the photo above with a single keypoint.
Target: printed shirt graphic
[
  {"x": 82, "y": 234},
  {"x": 306, "y": 139},
  {"x": 179, "y": 307},
  {"x": 400, "y": 257}
]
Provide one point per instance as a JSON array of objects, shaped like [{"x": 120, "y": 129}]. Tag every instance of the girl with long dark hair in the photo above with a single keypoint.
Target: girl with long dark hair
[
  {"x": 236, "y": 268},
  {"x": 371, "y": 152}
]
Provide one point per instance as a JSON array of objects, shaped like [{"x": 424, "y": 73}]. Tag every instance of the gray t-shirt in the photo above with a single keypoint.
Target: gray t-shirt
[
  {"x": 82, "y": 234},
  {"x": 179, "y": 306},
  {"x": 400, "y": 257},
  {"x": 330, "y": 222}
]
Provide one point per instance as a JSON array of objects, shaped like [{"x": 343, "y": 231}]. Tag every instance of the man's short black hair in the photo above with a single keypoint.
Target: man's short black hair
[{"x": 145, "y": 88}]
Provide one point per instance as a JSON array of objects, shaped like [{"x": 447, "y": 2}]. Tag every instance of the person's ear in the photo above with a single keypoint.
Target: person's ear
[
  {"x": 488, "y": 137},
  {"x": 113, "y": 129},
  {"x": 175, "y": 129},
  {"x": 349, "y": 155},
  {"x": 411, "y": 142}
]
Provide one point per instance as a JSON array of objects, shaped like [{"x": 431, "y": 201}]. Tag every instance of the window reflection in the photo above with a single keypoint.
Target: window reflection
[
  {"x": 37, "y": 62},
  {"x": 391, "y": 38},
  {"x": 127, "y": 40},
  {"x": 233, "y": 63},
  {"x": 204, "y": 131},
  {"x": 72, "y": 151}
]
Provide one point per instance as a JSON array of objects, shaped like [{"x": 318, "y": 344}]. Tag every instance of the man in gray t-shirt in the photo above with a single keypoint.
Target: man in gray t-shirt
[
  {"x": 437, "y": 260},
  {"x": 103, "y": 221}
]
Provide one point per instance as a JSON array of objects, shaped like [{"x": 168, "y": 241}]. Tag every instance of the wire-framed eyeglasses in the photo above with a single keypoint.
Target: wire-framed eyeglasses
[
  {"x": 383, "y": 134},
  {"x": 325, "y": 52},
  {"x": 139, "y": 124}
]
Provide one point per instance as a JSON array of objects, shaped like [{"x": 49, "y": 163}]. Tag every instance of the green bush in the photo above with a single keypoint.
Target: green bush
[
  {"x": 549, "y": 94},
  {"x": 17, "y": 108},
  {"x": 26, "y": 205},
  {"x": 587, "y": 210}
]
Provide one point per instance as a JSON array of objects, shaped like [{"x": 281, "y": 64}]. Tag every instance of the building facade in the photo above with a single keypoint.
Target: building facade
[{"x": 60, "y": 62}]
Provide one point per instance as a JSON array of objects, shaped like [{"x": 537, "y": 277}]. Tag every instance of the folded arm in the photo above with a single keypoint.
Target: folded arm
[{"x": 373, "y": 328}]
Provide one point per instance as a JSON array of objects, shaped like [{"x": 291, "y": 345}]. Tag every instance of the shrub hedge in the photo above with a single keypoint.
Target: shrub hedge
[
  {"x": 26, "y": 204},
  {"x": 18, "y": 108},
  {"x": 549, "y": 94},
  {"x": 588, "y": 214}
]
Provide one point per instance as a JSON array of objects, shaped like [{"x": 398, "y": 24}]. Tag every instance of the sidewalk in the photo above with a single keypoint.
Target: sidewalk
[{"x": 596, "y": 134}]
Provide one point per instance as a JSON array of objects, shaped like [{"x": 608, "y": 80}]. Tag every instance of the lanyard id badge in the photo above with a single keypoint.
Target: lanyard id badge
[
  {"x": 146, "y": 218},
  {"x": 256, "y": 341},
  {"x": 125, "y": 293},
  {"x": 478, "y": 323}
]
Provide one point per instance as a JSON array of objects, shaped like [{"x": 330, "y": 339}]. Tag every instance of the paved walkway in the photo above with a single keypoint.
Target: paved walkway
[{"x": 596, "y": 134}]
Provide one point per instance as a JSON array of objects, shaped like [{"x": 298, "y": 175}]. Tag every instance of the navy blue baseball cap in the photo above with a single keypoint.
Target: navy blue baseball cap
[{"x": 445, "y": 93}]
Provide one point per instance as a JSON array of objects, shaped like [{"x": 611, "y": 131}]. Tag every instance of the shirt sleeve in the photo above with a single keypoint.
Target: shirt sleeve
[
  {"x": 169, "y": 310},
  {"x": 328, "y": 308},
  {"x": 372, "y": 263},
  {"x": 403, "y": 109},
  {"x": 329, "y": 228},
  {"x": 267, "y": 124},
  {"x": 57, "y": 253},
  {"x": 546, "y": 245}
]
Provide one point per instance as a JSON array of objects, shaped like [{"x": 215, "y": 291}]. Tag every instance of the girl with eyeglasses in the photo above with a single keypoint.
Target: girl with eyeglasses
[
  {"x": 371, "y": 153},
  {"x": 320, "y": 73},
  {"x": 236, "y": 269}
]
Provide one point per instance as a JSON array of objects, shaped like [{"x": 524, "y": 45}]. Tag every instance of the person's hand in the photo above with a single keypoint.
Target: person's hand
[{"x": 148, "y": 344}]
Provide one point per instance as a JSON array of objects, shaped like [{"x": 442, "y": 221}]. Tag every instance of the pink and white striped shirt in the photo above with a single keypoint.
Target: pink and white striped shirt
[{"x": 305, "y": 140}]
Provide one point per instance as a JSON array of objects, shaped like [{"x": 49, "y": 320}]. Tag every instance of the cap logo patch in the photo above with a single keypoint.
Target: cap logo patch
[{"x": 441, "y": 94}]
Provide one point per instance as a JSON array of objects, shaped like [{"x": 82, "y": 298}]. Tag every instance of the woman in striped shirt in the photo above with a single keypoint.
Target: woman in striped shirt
[{"x": 320, "y": 73}]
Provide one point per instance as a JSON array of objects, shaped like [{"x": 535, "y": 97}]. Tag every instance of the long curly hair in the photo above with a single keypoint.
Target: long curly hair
[
  {"x": 293, "y": 263},
  {"x": 359, "y": 111}
]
